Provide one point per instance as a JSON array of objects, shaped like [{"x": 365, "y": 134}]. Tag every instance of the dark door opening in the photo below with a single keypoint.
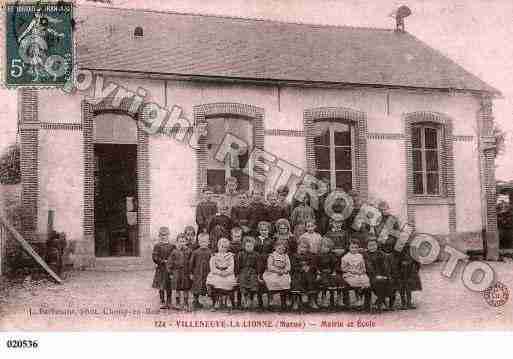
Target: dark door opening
[{"x": 115, "y": 200}]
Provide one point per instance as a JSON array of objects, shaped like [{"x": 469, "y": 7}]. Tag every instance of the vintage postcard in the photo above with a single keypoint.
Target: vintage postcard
[{"x": 194, "y": 166}]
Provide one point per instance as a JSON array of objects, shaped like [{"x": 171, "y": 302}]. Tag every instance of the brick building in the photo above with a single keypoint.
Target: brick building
[{"x": 375, "y": 110}]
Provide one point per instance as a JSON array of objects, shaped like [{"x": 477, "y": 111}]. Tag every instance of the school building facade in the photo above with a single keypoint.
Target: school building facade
[{"x": 373, "y": 110}]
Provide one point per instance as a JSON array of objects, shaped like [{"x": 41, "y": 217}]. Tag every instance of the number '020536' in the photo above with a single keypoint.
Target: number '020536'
[{"x": 22, "y": 344}]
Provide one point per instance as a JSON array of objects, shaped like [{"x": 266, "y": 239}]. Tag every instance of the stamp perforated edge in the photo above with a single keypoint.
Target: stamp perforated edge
[{"x": 3, "y": 37}]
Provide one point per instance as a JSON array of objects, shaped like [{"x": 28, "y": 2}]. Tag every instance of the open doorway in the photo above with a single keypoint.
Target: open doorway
[{"x": 115, "y": 200}]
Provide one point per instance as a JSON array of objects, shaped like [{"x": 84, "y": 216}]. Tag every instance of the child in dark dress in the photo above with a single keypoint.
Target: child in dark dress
[
  {"x": 327, "y": 267},
  {"x": 378, "y": 270},
  {"x": 236, "y": 241},
  {"x": 199, "y": 268},
  {"x": 264, "y": 243},
  {"x": 190, "y": 234},
  {"x": 178, "y": 267},
  {"x": 241, "y": 214},
  {"x": 258, "y": 210},
  {"x": 205, "y": 210},
  {"x": 283, "y": 233},
  {"x": 340, "y": 238},
  {"x": 303, "y": 276},
  {"x": 161, "y": 252},
  {"x": 220, "y": 226},
  {"x": 283, "y": 193},
  {"x": 236, "y": 248},
  {"x": 250, "y": 273},
  {"x": 303, "y": 212},
  {"x": 386, "y": 242},
  {"x": 275, "y": 211},
  {"x": 409, "y": 278}
]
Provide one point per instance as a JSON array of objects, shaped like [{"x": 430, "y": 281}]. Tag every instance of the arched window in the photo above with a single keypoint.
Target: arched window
[{"x": 334, "y": 146}]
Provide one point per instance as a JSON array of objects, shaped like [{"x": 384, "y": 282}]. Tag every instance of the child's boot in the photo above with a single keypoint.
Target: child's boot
[
  {"x": 313, "y": 304},
  {"x": 391, "y": 302},
  {"x": 295, "y": 303},
  {"x": 367, "y": 294},
  {"x": 195, "y": 302},
  {"x": 167, "y": 305},
  {"x": 332, "y": 300},
  {"x": 176, "y": 306},
  {"x": 260, "y": 301},
  {"x": 187, "y": 305},
  {"x": 162, "y": 297},
  {"x": 283, "y": 301},
  {"x": 404, "y": 304},
  {"x": 409, "y": 302}
]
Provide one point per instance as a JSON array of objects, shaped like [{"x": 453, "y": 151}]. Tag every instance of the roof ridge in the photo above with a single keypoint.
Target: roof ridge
[{"x": 233, "y": 17}]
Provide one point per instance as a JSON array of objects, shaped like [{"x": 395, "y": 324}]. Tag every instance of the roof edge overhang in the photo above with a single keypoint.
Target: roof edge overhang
[{"x": 282, "y": 82}]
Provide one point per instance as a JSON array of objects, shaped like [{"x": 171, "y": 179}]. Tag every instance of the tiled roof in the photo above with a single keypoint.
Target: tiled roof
[{"x": 214, "y": 46}]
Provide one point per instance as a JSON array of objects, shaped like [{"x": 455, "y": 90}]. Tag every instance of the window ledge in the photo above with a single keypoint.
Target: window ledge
[{"x": 431, "y": 201}]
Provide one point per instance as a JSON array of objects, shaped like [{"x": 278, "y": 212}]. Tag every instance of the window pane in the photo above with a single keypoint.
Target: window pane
[
  {"x": 323, "y": 174},
  {"x": 240, "y": 128},
  {"x": 432, "y": 160},
  {"x": 344, "y": 180},
  {"x": 242, "y": 179},
  {"x": 212, "y": 162},
  {"x": 417, "y": 160},
  {"x": 215, "y": 130},
  {"x": 432, "y": 183},
  {"x": 342, "y": 134},
  {"x": 415, "y": 137},
  {"x": 418, "y": 186},
  {"x": 343, "y": 158},
  {"x": 322, "y": 133},
  {"x": 322, "y": 157},
  {"x": 431, "y": 138},
  {"x": 215, "y": 180}
]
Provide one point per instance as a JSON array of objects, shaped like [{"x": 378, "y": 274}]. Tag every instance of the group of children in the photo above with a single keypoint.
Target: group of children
[{"x": 249, "y": 250}]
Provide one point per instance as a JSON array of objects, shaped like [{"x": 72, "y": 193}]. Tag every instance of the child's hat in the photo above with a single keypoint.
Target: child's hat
[
  {"x": 163, "y": 231},
  {"x": 189, "y": 229},
  {"x": 264, "y": 224},
  {"x": 231, "y": 179},
  {"x": 283, "y": 189},
  {"x": 383, "y": 205}
]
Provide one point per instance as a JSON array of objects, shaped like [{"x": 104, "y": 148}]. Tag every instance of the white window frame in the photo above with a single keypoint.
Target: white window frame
[
  {"x": 422, "y": 149},
  {"x": 332, "y": 147},
  {"x": 227, "y": 168}
]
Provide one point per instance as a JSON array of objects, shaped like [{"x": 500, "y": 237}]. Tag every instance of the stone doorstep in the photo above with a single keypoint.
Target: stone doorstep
[{"x": 122, "y": 264}]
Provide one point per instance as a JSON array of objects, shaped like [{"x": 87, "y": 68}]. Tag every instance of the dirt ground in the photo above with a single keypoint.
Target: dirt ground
[{"x": 93, "y": 300}]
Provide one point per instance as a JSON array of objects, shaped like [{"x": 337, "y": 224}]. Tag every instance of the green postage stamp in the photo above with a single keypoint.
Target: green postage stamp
[{"x": 39, "y": 44}]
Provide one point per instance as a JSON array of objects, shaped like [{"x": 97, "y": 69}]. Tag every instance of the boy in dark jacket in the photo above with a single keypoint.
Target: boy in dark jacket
[
  {"x": 200, "y": 267},
  {"x": 303, "y": 275},
  {"x": 205, "y": 210},
  {"x": 275, "y": 211},
  {"x": 378, "y": 270},
  {"x": 409, "y": 279},
  {"x": 241, "y": 214},
  {"x": 220, "y": 226},
  {"x": 161, "y": 280},
  {"x": 258, "y": 211}
]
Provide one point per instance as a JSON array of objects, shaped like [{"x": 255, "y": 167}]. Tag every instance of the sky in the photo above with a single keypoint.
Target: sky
[{"x": 474, "y": 33}]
